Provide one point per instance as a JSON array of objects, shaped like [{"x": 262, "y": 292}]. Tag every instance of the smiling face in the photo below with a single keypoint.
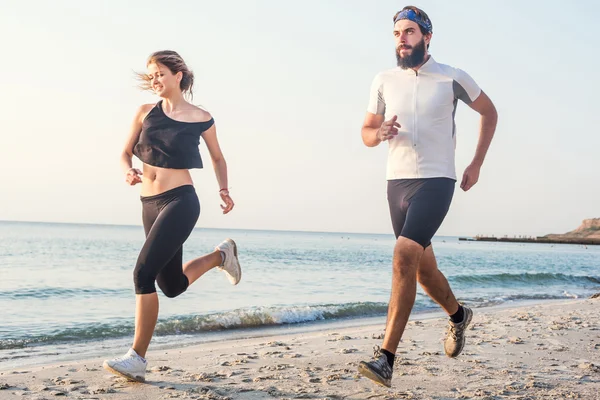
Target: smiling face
[
  {"x": 167, "y": 75},
  {"x": 162, "y": 81}
]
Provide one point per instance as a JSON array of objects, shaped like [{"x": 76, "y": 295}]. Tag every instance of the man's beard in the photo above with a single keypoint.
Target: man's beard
[{"x": 416, "y": 57}]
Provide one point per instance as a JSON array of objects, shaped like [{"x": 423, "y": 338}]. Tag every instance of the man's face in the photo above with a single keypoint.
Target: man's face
[{"x": 411, "y": 44}]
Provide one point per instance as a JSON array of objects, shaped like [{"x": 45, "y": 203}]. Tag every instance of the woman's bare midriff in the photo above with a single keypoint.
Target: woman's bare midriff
[{"x": 157, "y": 180}]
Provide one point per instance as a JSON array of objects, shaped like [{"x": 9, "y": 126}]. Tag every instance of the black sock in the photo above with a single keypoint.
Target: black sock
[
  {"x": 390, "y": 357},
  {"x": 459, "y": 315}
]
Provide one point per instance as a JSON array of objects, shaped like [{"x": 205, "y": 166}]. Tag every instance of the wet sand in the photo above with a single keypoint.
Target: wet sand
[{"x": 547, "y": 351}]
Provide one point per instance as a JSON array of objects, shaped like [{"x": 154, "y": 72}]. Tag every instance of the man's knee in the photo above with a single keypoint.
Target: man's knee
[
  {"x": 426, "y": 275},
  {"x": 407, "y": 255}
]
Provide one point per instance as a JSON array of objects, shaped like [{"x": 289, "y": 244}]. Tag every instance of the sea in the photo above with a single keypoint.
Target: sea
[{"x": 66, "y": 290}]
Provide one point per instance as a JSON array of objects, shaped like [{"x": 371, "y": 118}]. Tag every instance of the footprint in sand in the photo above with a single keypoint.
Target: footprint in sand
[
  {"x": 340, "y": 338},
  {"x": 160, "y": 368},
  {"x": 101, "y": 390}
]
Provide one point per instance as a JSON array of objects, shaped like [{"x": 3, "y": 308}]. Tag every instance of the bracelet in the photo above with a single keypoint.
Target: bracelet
[{"x": 224, "y": 190}]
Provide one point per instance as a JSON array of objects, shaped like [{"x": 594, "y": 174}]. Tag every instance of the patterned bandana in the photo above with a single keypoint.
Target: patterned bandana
[{"x": 412, "y": 16}]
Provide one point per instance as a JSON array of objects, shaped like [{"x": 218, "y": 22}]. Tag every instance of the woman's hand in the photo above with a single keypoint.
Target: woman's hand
[
  {"x": 133, "y": 176},
  {"x": 227, "y": 199}
]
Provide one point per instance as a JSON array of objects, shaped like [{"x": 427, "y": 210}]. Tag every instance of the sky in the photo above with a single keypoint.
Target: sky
[{"x": 288, "y": 86}]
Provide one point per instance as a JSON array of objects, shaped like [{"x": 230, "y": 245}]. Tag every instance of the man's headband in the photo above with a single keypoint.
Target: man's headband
[{"x": 410, "y": 15}]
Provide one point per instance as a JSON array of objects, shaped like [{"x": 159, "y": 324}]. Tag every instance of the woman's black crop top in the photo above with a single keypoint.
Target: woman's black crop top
[{"x": 167, "y": 143}]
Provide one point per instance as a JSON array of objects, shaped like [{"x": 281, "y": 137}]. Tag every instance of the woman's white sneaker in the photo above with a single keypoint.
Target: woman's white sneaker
[
  {"x": 131, "y": 366},
  {"x": 231, "y": 265}
]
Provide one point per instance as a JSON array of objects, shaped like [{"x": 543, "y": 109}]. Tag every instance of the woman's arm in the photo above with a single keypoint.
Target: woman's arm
[
  {"x": 132, "y": 174},
  {"x": 220, "y": 166}
]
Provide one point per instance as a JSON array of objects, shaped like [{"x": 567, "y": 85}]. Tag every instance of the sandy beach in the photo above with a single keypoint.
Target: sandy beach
[{"x": 547, "y": 351}]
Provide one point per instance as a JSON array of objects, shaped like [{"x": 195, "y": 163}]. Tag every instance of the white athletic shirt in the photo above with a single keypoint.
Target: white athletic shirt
[{"x": 425, "y": 103}]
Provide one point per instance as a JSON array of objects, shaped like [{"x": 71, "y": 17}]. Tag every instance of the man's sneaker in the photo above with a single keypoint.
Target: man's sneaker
[
  {"x": 231, "y": 265},
  {"x": 130, "y": 366},
  {"x": 378, "y": 369},
  {"x": 455, "y": 339}
]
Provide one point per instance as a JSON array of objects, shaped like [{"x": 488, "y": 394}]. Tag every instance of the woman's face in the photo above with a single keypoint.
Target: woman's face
[{"x": 162, "y": 80}]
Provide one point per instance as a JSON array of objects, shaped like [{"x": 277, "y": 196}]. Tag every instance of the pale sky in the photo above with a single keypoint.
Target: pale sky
[{"x": 288, "y": 84}]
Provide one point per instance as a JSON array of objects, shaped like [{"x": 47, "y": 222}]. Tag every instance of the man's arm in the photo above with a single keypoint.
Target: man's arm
[
  {"x": 375, "y": 130},
  {"x": 489, "y": 117}
]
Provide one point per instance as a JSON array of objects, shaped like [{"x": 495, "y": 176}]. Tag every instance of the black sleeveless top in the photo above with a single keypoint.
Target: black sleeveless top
[{"x": 167, "y": 143}]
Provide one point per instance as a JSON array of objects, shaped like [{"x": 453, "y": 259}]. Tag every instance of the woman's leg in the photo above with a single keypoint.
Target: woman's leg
[
  {"x": 194, "y": 269},
  {"x": 162, "y": 248},
  {"x": 170, "y": 279},
  {"x": 168, "y": 220},
  {"x": 146, "y": 315}
]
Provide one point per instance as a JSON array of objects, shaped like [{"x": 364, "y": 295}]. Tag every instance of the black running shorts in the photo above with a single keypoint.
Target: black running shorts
[{"x": 418, "y": 206}]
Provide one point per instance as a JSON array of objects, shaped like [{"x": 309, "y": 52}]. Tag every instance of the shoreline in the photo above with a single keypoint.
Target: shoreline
[
  {"x": 540, "y": 240},
  {"x": 80, "y": 349},
  {"x": 544, "y": 350}
]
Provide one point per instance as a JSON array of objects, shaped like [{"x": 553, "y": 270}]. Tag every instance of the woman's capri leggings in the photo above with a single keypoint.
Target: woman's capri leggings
[{"x": 168, "y": 218}]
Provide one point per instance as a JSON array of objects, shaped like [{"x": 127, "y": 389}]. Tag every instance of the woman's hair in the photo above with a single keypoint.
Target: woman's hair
[{"x": 173, "y": 61}]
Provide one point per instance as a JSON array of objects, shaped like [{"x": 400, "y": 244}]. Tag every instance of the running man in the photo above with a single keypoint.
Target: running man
[{"x": 412, "y": 107}]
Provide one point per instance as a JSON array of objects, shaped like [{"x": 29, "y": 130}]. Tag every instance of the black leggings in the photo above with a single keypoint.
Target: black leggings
[{"x": 168, "y": 218}]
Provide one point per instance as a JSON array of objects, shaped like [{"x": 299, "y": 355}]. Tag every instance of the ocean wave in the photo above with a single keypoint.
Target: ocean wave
[
  {"x": 526, "y": 278},
  {"x": 62, "y": 292},
  {"x": 255, "y": 317}
]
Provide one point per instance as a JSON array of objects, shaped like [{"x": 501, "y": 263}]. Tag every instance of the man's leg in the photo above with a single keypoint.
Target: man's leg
[
  {"x": 417, "y": 208},
  {"x": 407, "y": 255},
  {"x": 405, "y": 262},
  {"x": 434, "y": 283}
]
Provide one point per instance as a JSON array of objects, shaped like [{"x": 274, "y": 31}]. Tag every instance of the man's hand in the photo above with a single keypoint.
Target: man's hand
[
  {"x": 470, "y": 177},
  {"x": 388, "y": 129}
]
